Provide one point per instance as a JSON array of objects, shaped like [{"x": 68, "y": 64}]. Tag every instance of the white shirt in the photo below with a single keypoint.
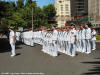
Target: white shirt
[
  {"x": 55, "y": 33},
  {"x": 72, "y": 35},
  {"x": 65, "y": 36},
  {"x": 93, "y": 37},
  {"x": 88, "y": 33},
  {"x": 11, "y": 35},
  {"x": 77, "y": 34},
  {"x": 69, "y": 36},
  {"x": 80, "y": 34},
  {"x": 18, "y": 34},
  {"x": 83, "y": 34}
]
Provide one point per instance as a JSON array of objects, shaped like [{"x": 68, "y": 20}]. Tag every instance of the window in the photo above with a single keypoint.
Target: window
[
  {"x": 67, "y": 12},
  {"x": 61, "y": 7},
  {"x": 66, "y": 7}
]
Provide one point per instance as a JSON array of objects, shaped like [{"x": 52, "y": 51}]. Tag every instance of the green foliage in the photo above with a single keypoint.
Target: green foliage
[
  {"x": 20, "y": 14},
  {"x": 4, "y": 15},
  {"x": 50, "y": 13},
  {"x": 98, "y": 37}
]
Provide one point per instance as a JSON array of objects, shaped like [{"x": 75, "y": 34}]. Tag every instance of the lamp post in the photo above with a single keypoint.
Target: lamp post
[{"x": 32, "y": 19}]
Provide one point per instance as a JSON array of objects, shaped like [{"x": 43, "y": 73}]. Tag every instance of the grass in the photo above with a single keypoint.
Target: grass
[{"x": 98, "y": 37}]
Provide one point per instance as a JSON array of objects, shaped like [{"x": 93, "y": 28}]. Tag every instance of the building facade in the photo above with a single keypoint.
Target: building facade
[
  {"x": 70, "y": 9},
  {"x": 79, "y": 8},
  {"x": 94, "y": 13},
  {"x": 63, "y": 10}
]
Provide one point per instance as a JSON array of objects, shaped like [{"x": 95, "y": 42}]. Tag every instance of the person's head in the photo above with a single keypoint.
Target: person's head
[
  {"x": 72, "y": 26},
  {"x": 81, "y": 27},
  {"x": 10, "y": 29},
  {"x": 68, "y": 29},
  {"x": 86, "y": 26},
  {"x": 77, "y": 28},
  {"x": 53, "y": 27},
  {"x": 93, "y": 29}
]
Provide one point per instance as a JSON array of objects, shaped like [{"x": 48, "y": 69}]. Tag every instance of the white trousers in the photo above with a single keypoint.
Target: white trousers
[
  {"x": 88, "y": 46},
  {"x": 80, "y": 45},
  {"x": 31, "y": 42},
  {"x": 68, "y": 46},
  {"x": 13, "y": 49},
  {"x": 77, "y": 45},
  {"x": 73, "y": 49},
  {"x": 55, "y": 51},
  {"x": 83, "y": 45},
  {"x": 93, "y": 44}
]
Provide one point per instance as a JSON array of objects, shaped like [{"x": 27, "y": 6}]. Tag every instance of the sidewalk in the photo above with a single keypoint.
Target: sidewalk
[{"x": 97, "y": 40}]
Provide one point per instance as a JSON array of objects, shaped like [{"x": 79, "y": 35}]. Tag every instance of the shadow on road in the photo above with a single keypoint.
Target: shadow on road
[
  {"x": 95, "y": 70},
  {"x": 5, "y": 46},
  {"x": 18, "y": 45}
]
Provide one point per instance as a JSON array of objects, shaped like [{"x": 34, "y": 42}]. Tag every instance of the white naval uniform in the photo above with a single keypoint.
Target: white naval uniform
[
  {"x": 64, "y": 46},
  {"x": 50, "y": 47},
  {"x": 83, "y": 40},
  {"x": 31, "y": 38},
  {"x": 69, "y": 42},
  {"x": 54, "y": 41},
  {"x": 66, "y": 42},
  {"x": 93, "y": 40},
  {"x": 88, "y": 37},
  {"x": 73, "y": 45},
  {"x": 59, "y": 41},
  {"x": 77, "y": 41},
  {"x": 11, "y": 35},
  {"x": 80, "y": 40},
  {"x": 44, "y": 42},
  {"x": 18, "y": 36}
]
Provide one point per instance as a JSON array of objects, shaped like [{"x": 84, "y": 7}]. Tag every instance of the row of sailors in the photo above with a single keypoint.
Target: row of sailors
[{"x": 65, "y": 40}]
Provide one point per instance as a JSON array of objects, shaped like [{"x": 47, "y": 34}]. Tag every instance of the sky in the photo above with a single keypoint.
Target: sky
[{"x": 40, "y": 3}]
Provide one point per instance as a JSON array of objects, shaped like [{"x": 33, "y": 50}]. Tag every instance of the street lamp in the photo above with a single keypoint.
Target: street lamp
[{"x": 32, "y": 17}]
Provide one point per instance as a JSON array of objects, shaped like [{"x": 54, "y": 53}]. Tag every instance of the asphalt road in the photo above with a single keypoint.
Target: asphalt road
[{"x": 33, "y": 60}]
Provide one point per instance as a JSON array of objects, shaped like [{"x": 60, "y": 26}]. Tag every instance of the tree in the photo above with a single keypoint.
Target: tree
[
  {"x": 50, "y": 13},
  {"x": 20, "y": 4},
  {"x": 4, "y": 15},
  {"x": 20, "y": 14},
  {"x": 28, "y": 2}
]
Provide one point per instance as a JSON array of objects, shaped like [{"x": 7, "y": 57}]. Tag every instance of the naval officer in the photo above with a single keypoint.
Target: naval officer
[
  {"x": 12, "y": 41},
  {"x": 93, "y": 39},
  {"x": 73, "y": 41},
  {"x": 88, "y": 38}
]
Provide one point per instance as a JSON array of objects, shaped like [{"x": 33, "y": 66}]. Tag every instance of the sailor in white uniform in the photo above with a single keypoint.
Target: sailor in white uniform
[
  {"x": 83, "y": 39},
  {"x": 12, "y": 42},
  {"x": 44, "y": 39},
  {"x": 73, "y": 41},
  {"x": 77, "y": 41},
  {"x": 66, "y": 40},
  {"x": 54, "y": 41},
  {"x": 62, "y": 41},
  {"x": 88, "y": 38},
  {"x": 31, "y": 38},
  {"x": 69, "y": 41},
  {"x": 80, "y": 39},
  {"x": 93, "y": 39},
  {"x": 59, "y": 40}
]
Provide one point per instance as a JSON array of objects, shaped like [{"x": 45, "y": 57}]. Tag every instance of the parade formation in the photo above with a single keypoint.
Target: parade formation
[{"x": 67, "y": 40}]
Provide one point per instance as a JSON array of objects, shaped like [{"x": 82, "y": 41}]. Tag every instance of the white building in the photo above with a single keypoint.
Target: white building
[
  {"x": 63, "y": 9},
  {"x": 94, "y": 12}
]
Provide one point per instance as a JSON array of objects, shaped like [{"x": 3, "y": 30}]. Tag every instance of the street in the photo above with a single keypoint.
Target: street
[{"x": 33, "y": 60}]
